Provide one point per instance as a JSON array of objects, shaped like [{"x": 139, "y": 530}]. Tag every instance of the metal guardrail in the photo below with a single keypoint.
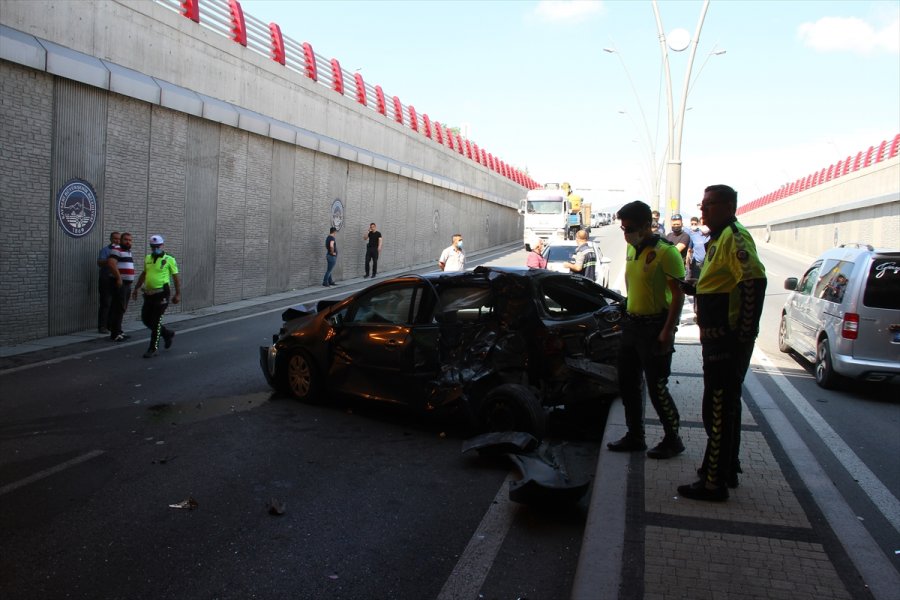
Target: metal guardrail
[
  {"x": 874, "y": 155},
  {"x": 227, "y": 18}
]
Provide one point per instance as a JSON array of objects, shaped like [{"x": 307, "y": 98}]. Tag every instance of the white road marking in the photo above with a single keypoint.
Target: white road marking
[
  {"x": 48, "y": 472},
  {"x": 886, "y": 503},
  {"x": 876, "y": 571},
  {"x": 476, "y": 560}
]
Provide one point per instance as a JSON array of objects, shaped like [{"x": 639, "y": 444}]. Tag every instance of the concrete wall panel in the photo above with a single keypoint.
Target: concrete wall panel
[
  {"x": 231, "y": 212},
  {"x": 26, "y": 122},
  {"x": 305, "y": 247},
  {"x": 258, "y": 220},
  {"x": 79, "y": 136},
  {"x": 198, "y": 263},
  {"x": 281, "y": 216}
]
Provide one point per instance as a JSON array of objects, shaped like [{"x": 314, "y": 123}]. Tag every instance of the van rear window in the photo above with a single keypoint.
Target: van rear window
[{"x": 883, "y": 284}]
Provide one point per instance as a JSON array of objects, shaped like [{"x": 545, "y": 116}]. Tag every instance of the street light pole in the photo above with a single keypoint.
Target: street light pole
[
  {"x": 651, "y": 143},
  {"x": 676, "y": 128}
]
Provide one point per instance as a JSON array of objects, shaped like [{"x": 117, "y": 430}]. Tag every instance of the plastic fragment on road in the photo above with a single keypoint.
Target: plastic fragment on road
[
  {"x": 276, "y": 507},
  {"x": 189, "y": 504},
  {"x": 544, "y": 477}
]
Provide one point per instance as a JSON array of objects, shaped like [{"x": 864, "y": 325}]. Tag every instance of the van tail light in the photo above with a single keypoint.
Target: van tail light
[{"x": 850, "y": 326}]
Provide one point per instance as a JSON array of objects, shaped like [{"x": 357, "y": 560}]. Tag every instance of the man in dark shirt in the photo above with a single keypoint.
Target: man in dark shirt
[
  {"x": 373, "y": 249},
  {"x": 330, "y": 257},
  {"x": 679, "y": 237}
]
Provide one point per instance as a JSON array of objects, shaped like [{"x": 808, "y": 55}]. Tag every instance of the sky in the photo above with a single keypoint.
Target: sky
[{"x": 799, "y": 86}]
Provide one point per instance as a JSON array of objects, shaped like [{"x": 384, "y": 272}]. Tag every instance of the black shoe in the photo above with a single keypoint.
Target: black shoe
[
  {"x": 699, "y": 491},
  {"x": 103, "y": 330},
  {"x": 332, "y": 284},
  {"x": 150, "y": 353},
  {"x": 667, "y": 448},
  {"x": 324, "y": 285},
  {"x": 732, "y": 481},
  {"x": 167, "y": 340},
  {"x": 628, "y": 443},
  {"x": 120, "y": 338}
]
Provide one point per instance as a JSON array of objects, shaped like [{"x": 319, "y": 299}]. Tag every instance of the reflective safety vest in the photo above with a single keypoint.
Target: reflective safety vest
[
  {"x": 647, "y": 275},
  {"x": 731, "y": 258}
]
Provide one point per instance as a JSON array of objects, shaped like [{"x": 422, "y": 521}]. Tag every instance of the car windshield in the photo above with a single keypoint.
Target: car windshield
[
  {"x": 883, "y": 284},
  {"x": 544, "y": 207},
  {"x": 560, "y": 253}
]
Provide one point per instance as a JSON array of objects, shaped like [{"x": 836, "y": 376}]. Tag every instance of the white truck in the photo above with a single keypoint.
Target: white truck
[{"x": 548, "y": 214}]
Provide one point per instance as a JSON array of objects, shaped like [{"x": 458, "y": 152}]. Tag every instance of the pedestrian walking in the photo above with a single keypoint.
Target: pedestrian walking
[
  {"x": 653, "y": 268},
  {"x": 658, "y": 224},
  {"x": 160, "y": 272},
  {"x": 728, "y": 303},
  {"x": 121, "y": 268},
  {"x": 453, "y": 258},
  {"x": 330, "y": 257},
  {"x": 105, "y": 284},
  {"x": 373, "y": 240}
]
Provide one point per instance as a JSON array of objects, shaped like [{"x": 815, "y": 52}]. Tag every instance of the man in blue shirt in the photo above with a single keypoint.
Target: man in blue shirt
[{"x": 697, "y": 250}]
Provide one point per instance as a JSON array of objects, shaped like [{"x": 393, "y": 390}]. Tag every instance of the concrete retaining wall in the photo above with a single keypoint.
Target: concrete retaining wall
[
  {"x": 860, "y": 207},
  {"x": 243, "y": 198}
]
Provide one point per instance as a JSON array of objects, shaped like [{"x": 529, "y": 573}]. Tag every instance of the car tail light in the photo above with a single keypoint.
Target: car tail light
[{"x": 850, "y": 326}]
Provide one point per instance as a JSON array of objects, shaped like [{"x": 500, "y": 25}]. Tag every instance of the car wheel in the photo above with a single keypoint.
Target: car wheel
[
  {"x": 782, "y": 335},
  {"x": 302, "y": 377},
  {"x": 826, "y": 376},
  {"x": 513, "y": 407}
]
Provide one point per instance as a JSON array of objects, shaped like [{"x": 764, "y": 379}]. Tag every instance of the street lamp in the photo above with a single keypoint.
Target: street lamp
[
  {"x": 679, "y": 40},
  {"x": 648, "y": 149},
  {"x": 651, "y": 143}
]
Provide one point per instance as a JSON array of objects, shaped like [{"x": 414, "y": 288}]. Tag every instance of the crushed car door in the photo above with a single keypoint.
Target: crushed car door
[{"x": 372, "y": 341}]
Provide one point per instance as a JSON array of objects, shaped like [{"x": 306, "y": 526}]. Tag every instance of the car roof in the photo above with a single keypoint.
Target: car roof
[{"x": 851, "y": 252}]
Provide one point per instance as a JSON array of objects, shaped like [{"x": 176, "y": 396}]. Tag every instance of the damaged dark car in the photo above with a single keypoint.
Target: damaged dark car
[{"x": 499, "y": 346}]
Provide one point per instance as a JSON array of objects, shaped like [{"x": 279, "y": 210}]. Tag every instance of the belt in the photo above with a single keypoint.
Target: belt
[
  {"x": 646, "y": 318},
  {"x": 153, "y": 291}
]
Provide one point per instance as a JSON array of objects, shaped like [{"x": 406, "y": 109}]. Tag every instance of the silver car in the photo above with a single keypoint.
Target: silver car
[
  {"x": 844, "y": 315},
  {"x": 563, "y": 251}
]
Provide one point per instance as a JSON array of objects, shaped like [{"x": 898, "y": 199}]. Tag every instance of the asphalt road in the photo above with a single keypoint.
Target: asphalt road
[{"x": 96, "y": 443}]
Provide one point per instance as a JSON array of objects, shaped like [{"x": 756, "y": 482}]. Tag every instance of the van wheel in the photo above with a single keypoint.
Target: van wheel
[
  {"x": 782, "y": 335},
  {"x": 302, "y": 377},
  {"x": 513, "y": 407},
  {"x": 826, "y": 376}
]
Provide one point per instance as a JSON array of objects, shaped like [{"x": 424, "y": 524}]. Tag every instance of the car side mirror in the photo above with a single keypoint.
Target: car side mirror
[{"x": 790, "y": 283}]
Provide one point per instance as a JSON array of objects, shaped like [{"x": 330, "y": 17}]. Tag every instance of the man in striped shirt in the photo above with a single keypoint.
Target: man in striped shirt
[{"x": 121, "y": 269}]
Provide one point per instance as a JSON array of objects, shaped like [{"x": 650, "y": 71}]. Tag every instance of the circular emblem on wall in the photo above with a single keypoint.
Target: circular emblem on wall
[
  {"x": 435, "y": 220},
  {"x": 337, "y": 214},
  {"x": 76, "y": 208}
]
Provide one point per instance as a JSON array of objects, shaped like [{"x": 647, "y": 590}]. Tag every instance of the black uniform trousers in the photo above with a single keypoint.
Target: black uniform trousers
[
  {"x": 640, "y": 356},
  {"x": 105, "y": 286},
  {"x": 152, "y": 311},
  {"x": 372, "y": 254},
  {"x": 118, "y": 306},
  {"x": 725, "y": 363}
]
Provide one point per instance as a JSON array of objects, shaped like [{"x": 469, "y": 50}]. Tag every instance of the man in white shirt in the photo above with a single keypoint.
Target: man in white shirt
[{"x": 453, "y": 258}]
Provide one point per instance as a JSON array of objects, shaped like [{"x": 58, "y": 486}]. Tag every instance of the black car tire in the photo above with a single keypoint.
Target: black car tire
[
  {"x": 782, "y": 335},
  {"x": 826, "y": 376},
  {"x": 513, "y": 407},
  {"x": 301, "y": 376}
]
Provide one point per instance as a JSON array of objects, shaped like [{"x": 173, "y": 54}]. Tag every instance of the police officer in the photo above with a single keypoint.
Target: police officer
[
  {"x": 729, "y": 302},
  {"x": 653, "y": 270},
  {"x": 160, "y": 269}
]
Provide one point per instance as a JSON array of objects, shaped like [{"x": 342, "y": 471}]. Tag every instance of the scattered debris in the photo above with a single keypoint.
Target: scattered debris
[
  {"x": 189, "y": 504},
  {"x": 276, "y": 507},
  {"x": 544, "y": 477},
  {"x": 163, "y": 461}
]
